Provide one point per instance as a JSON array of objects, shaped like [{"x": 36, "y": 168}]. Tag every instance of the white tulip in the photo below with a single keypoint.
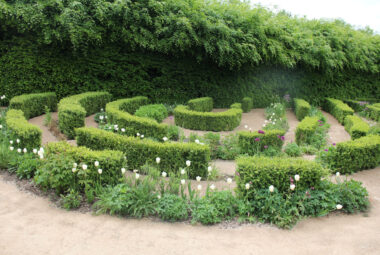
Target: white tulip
[
  {"x": 142, "y": 136},
  {"x": 106, "y": 117},
  {"x": 1, "y": 126},
  {"x": 100, "y": 171},
  {"x": 337, "y": 174},
  {"x": 199, "y": 187},
  {"x": 137, "y": 176},
  {"x": 229, "y": 180},
  {"x": 75, "y": 164},
  {"x": 198, "y": 178},
  {"x": 11, "y": 148},
  {"x": 138, "y": 134},
  {"x": 245, "y": 126},
  {"x": 35, "y": 151},
  {"x": 250, "y": 129},
  {"x": 96, "y": 163},
  {"x": 11, "y": 142},
  {"x": 123, "y": 130},
  {"x": 19, "y": 150},
  {"x": 247, "y": 186},
  {"x": 123, "y": 170},
  {"x": 209, "y": 169},
  {"x": 84, "y": 166},
  {"x": 212, "y": 187},
  {"x": 101, "y": 117},
  {"x": 25, "y": 150},
  {"x": 159, "y": 196},
  {"x": 165, "y": 139},
  {"x": 183, "y": 171},
  {"x": 297, "y": 177},
  {"x": 164, "y": 174},
  {"x": 73, "y": 169},
  {"x": 41, "y": 156},
  {"x": 271, "y": 188},
  {"x": 196, "y": 141},
  {"x": 17, "y": 140},
  {"x": 183, "y": 181},
  {"x": 42, "y": 150},
  {"x": 102, "y": 110},
  {"x": 292, "y": 186},
  {"x": 117, "y": 129},
  {"x": 135, "y": 171},
  {"x": 115, "y": 126},
  {"x": 158, "y": 160},
  {"x": 188, "y": 162},
  {"x": 339, "y": 206}
]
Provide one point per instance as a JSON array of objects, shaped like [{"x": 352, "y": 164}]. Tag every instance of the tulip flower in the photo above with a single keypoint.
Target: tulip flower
[
  {"x": 96, "y": 163},
  {"x": 209, "y": 169},
  {"x": 11, "y": 142},
  {"x": 165, "y": 138},
  {"x": 164, "y": 174},
  {"x": 158, "y": 160},
  {"x": 100, "y": 171},
  {"x": 337, "y": 174},
  {"x": 73, "y": 169},
  {"x": 123, "y": 170},
  {"x": 198, "y": 178},
  {"x": 297, "y": 177},
  {"x": 19, "y": 150},
  {"x": 25, "y": 150},
  {"x": 35, "y": 151},
  {"x": 75, "y": 164},
  {"x": 137, "y": 176},
  {"x": 247, "y": 186},
  {"x": 123, "y": 130},
  {"x": 11, "y": 148},
  {"x": 229, "y": 180},
  {"x": 212, "y": 187},
  {"x": 183, "y": 171},
  {"x": 199, "y": 187},
  {"x": 17, "y": 140},
  {"x": 271, "y": 188},
  {"x": 292, "y": 186},
  {"x": 84, "y": 166},
  {"x": 339, "y": 206},
  {"x": 188, "y": 162},
  {"x": 183, "y": 181},
  {"x": 196, "y": 141}
]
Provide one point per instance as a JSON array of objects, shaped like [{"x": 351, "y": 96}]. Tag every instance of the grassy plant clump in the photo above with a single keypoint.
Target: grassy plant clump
[{"x": 157, "y": 112}]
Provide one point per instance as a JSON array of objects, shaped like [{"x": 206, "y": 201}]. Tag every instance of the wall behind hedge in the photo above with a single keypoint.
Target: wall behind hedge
[{"x": 26, "y": 68}]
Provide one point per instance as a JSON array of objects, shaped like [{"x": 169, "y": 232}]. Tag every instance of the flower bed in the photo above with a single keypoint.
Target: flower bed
[
  {"x": 252, "y": 143},
  {"x": 33, "y": 105}
]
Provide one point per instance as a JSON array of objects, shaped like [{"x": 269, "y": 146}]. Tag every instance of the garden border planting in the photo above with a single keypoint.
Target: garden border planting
[
  {"x": 254, "y": 142},
  {"x": 306, "y": 129},
  {"x": 33, "y": 105},
  {"x": 301, "y": 108},
  {"x": 338, "y": 109},
  {"x": 374, "y": 112},
  {"x": 202, "y": 104},
  {"x": 356, "y": 126}
]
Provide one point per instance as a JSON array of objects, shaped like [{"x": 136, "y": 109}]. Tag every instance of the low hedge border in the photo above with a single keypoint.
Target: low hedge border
[
  {"x": 20, "y": 128},
  {"x": 356, "y": 126},
  {"x": 110, "y": 161},
  {"x": 338, "y": 109},
  {"x": 301, "y": 108},
  {"x": 306, "y": 129},
  {"x": 139, "y": 151},
  {"x": 33, "y": 105},
  {"x": 73, "y": 110},
  {"x": 202, "y": 104},
  {"x": 249, "y": 142},
  {"x": 357, "y": 106},
  {"x": 262, "y": 172},
  {"x": 207, "y": 121},
  {"x": 355, "y": 155},
  {"x": 373, "y": 112},
  {"x": 120, "y": 112},
  {"x": 247, "y": 104},
  {"x": 236, "y": 106}
]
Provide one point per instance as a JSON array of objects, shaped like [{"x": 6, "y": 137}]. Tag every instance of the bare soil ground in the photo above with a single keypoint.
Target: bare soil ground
[{"x": 31, "y": 224}]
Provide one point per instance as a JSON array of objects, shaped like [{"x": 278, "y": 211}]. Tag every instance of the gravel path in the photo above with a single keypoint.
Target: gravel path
[
  {"x": 290, "y": 136},
  {"x": 47, "y": 136},
  {"x": 336, "y": 133}
]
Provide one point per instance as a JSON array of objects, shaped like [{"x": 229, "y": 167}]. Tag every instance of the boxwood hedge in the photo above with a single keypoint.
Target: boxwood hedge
[
  {"x": 356, "y": 126},
  {"x": 247, "y": 104},
  {"x": 33, "y": 105},
  {"x": 306, "y": 129},
  {"x": 338, "y": 109},
  {"x": 250, "y": 141},
  {"x": 302, "y": 108},
  {"x": 203, "y": 104},
  {"x": 374, "y": 112}
]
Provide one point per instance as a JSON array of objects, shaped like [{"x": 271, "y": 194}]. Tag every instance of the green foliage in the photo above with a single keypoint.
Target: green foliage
[
  {"x": 302, "y": 108},
  {"x": 157, "y": 112},
  {"x": 20, "y": 128},
  {"x": 73, "y": 110},
  {"x": 236, "y": 106},
  {"x": 293, "y": 150},
  {"x": 354, "y": 155},
  {"x": 338, "y": 109},
  {"x": 28, "y": 165},
  {"x": 210, "y": 121},
  {"x": 139, "y": 151},
  {"x": 306, "y": 129},
  {"x": 246, "y": 104},
  {"x": 373, "y": 112},
  {"x": 276, "y": 117},
  {"x": 356, "y": 105},
  {"x": 71, "y": 200},
  {"x": 374, "y": 130},
  {"x": 33, "y": 105},
  {"x": 204, "y": 104},
  {"x": 255, "y": 142},
  {"x": 229, "y": 147},
  {"x": 172, "y": 208},
  {"x": 356, "y": 126},
  {"x": 261, "y": 172},
  {"x": 47, "y": 119},
  {"x": 121, "y": 112}
]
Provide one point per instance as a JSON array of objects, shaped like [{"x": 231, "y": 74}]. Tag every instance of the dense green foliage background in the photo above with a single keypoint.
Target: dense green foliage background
[{"x": 174, "y": 50}]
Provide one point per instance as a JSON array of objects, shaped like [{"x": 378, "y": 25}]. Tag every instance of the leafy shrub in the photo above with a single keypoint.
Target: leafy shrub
[
  {"x": 71, "y": 200},
  {"x": 308, "y": 149},
  {"x": 172, "y": 208},
  {"x": 373, "y": 112},
  {"x": 210, "y": 121},
  {"x": 246, "y": 104},
  {"x": 338, "y": 109},
  {"x": 293, "y": 150},
  {"x": 236, "y": 106},
  {"x": 33, "y": 105},
  {"x": 261, "y": 172},
  {"x": 205, "y": 212},
  {"x": 276, "y": 117},
  {"x": 302, "y": 108},
  {"x": 225, "y": 203},
  {"x": 306, "y": 129},
  {"x": 203, "y": 104},
  {"x": 139, "y": 151},
  {"x": 356, "y": 105},
  {"x": 352, "y": 156},
  {"x": 73, "y": 110},
  {"x": 229, "y": 147},
  {"x": 173, "y": 132},
  {"x": 100, "y": 117},
  {"x": 121, "y": 112},
  {"x": 20, "y": 128},
  {"x": 157, "y": 112},
  {"x": 356, "y": 126},
  {"x": 28, "y": 165},
  {"x": 374, "y": 130},
  {"x": 254, "y": 142}
]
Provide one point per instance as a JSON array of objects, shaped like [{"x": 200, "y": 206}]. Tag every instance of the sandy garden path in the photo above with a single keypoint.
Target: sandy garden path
[
  {"x": 336, "y": 133},
  {"x": 253, "y": 119},
  {"x": 47, "y": 136},
  {"x": 33, "y": 225},
  {"x": 290, "y": 136}
]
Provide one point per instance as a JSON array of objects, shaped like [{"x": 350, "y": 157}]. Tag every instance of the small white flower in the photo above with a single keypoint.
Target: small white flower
[
  {"x": 197, "y": 141},
  {"x": 137, "y": 176},
  {"x": 271, "y": 188},
  {"x": 75, "y": 165},
  {"x": 159, "y": 196},
  {"x": 183, "y": 171},
  {"x": 209, "y": 169},
  {"x": 212, "y": 187},
  {"x": 199, "y": 187},
  {"x": 135, "y": 170},
  {"x": 35, "y": 151},
  {"x": 115, "y": 126},
  {"x": 96, "y": 163},
  {"x": 292, "y": 186},
  {"x": 73, "y": 169},
  {"x": 337, "y": 174},
  {"x": 297, "y": 177},
  {"x": 84, "y": 166},
  {"x": 123, "y": 130},
  {"x": 229, "y": 180},
  {"x": 247, "y": 186},
  {"x": 11, "y": 142},
  {"x": 123, "y": 170},
  {"x": 339, "y": 206},
  {"x": 142, "y": 136},
  {"x": 138, "y": 134},
  {"x": 101, "y": 117},
  {"x": 165, "y": 138},
  {"x": 245, "y": 126},
  {"x": 188, "y": 162},
  {"x": 250, "y": 129},
  {"x": 198, "y": 178},
  {"x": 164, "y": 174},
  {"x": 100, "y": 171},
  {"x": 19, "y": 150},
  {"x": 101, "y": 109},
  {"x": 42, "y": 150},
  {"x": 1, "y": 126},
  {"x": 25, "y": 150},
  {"x": 17, "y": 140},
  {"x": 183, "y": 181},
  {"x": 158, "y": 160},
  {"x": 41, "y": 156},
  {"x": 11, "y": 148}
]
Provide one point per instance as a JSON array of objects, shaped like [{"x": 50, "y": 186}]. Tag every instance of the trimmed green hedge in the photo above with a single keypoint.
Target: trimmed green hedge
[
  {"x": 20, "y": 128},
  {"x": 358, "y": 106},
  {"x": 110, "y": 161},
  {"x": 374, "y": 112},
  {"x": 203, "y": 104},
  {"x": 33, "y": 105},
  {"x": 157, "y": 112},
  {"x": 302, "y": 108},
  {"x": 247, "y": 104},
  {"x": 356, "y": 126},
  {"x": 338, "y": 109},
  {"x": 236, "y": 106},
  {"x": 262, "y": 172},
  {"x": 306, "y": 129},
  {"x": 251, "y": 142},
  {"x": 139, "y": 151},
  {"x": 73, "y": 110},
  {"x": 355, "y": 155},
  {"x": 121, "y": 112}
]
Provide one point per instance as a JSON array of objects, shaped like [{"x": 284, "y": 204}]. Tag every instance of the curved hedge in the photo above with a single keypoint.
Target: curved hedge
[
  {"x": 338, "y": 109},
  {"x": 203, "y": 104},
  {"x": 33, "y": 105},
  {"x": 301, "y": 108},
  {"x": 121, "y": 112},
  {"x": 139, "y": 151},
  {"x": 306, "y": 129},
  {"x": 73, "y": 110},
  {"x": 356, "y": 126},
  {"x": 20, "y": 128}
]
